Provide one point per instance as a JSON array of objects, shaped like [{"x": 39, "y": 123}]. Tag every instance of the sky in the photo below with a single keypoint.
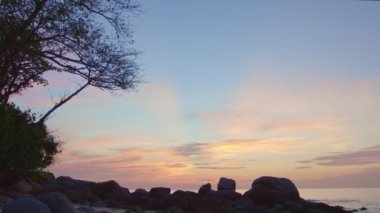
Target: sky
[{"x": 237, "y": 89}]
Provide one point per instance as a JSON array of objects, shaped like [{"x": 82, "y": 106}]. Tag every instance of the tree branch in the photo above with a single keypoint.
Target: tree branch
[{"x": 61, "y": 102}]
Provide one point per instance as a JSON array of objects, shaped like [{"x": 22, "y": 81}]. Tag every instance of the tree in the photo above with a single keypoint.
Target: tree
[
  {"x": 70, "y": 36},
  {"x": 24, "y": 144}
]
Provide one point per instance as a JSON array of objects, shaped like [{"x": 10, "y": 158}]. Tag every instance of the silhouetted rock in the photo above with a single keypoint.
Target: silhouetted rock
[
  {"x": 267, "y": 195},
  {"x": 160, "y": 192},
  {"x": 46, "y": 177},
  {"x": 239, "y": 205},
  {"x": 142, "y": 201},
  {"x": 230, "y": 195},
  {"x": 180, "y": 199},
  {"x": 5, "y": 200},
  {"x": 141, "y": 192},
  {"x": 272, "y": 190},
  {"x": 174, "y": 210},
  {"x": 295, "y": 207},
  {"x": 79, "y": 195},
  {"x": 21, "y": 186},
  {"x": 26, "y": 205},
  {"x": 226, "y": 184},
  {"x": 57, "y": 202},
  {"x": 207, "y": 204},
  {"x": 65, "y": 180},
  {"x": 110, "y": 190},
  {"x": 86, "y": 209},
  {"x": 204, "y": 189}
]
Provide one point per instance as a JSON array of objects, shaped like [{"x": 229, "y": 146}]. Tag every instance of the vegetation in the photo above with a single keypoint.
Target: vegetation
[
  {"x": 24, "y": 144},
  {"x": 69, "y": 36}
]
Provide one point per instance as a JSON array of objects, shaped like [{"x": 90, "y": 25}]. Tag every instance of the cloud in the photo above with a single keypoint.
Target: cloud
[
  {"x": 370, "y": 155},
  {"x": 273, "y": 104},
  {"x": 237, "y": 146},
  {"x": 303, "y": 167},
  {"x": 367, "y": 178},
  {"x": 130, "y": 166},
  {"x": 221, "y": 167},
  {"x": 190, "y": 149}
]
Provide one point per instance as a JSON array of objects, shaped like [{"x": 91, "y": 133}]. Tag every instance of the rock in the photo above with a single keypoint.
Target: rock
[
  {"x": 207, "y": 204},
  {"x": 174, "y": 210},
  {"x": 66, "y": 180},
  {"x": 5, "y": 200},
  {"x": 57, "y": 202},
  {"x": 45, "y": 178},
  {"x": 272, "y": 190},
  {"x": 157, "y": 203},
  {"x": 86, "y": 209},
  {"x": 79, "y": 195},
  {"x": 226, "y": 184},
  {"x": 110, "y": 190},
  {"x": 135, "y": 209},
  {"x": 140, "y": 200},
  {"x": 36, "y": 187},
  {"x": 230, "y": 195},
  {"x": 21, "y": 187},
  {"x": 178, "y": 199},
  {"x": 239, "y": 205},
  {"x": 291, "y": 207},
  {"x": 159, "y": 192},
  {"x": 26, "y": 205},
  {"x": 69, "y": 181},
  {"x": 214, "y": 194},
  {"x": 363, "y": 209},
  {"x": 141, "y": 192},
  {"x": 204, "y": 189}
]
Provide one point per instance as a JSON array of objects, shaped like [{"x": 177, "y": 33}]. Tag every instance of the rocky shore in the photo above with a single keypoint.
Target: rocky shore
[{"x": 46, "y": 194}]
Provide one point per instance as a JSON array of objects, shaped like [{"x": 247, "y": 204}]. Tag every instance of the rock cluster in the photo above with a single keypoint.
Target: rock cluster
[{"x": 56, "y": 195}]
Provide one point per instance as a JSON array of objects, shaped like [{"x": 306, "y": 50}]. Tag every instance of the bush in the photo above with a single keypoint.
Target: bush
[{"x": 24, "y": 144}]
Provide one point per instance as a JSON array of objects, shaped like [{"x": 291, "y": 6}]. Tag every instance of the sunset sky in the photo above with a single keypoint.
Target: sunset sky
[{"x": 239, "y": 89}]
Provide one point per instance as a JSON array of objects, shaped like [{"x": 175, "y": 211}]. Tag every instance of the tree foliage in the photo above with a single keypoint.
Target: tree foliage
[
  {"x": 70, "y": 36},
  {"x": 24, "y": 144}
]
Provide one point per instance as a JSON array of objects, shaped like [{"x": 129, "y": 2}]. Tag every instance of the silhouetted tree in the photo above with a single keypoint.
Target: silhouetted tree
[
  {"x": 24, "y": 144},
  {"x": 70, "y": 36}
]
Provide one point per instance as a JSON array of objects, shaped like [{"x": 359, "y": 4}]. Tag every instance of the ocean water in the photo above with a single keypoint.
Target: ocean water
[{"x": 351, "y": 198}]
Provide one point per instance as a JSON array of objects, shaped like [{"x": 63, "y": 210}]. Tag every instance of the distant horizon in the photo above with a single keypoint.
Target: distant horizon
[{"x": 235, "y": 89}]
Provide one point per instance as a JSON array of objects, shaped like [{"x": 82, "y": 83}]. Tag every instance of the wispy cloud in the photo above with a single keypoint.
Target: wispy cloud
[
  {"x": 366, "y": 178},
  {"x": 370, "y": 155}
]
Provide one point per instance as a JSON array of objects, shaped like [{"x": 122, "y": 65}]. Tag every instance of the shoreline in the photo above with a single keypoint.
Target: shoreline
[{"x": 267, "y": 194}]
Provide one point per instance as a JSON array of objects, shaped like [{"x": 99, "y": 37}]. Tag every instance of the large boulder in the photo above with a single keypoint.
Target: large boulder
[
  {"x": 110, "y": 190},
  {"x": 272, "y": 190},
  {"x": 226, "y": 184},
  {"x": 160, "y": 192},
  {"x": 141, "y": 192},
  {"x": 26, "y": 205},
  {"x": 142, "y": 201},
  {"x": 207, "y": 204},
  {"x": 79, "y": 195},
  {"x": 57, "y": 202},
  {"x": 4, "y": 200},
  {"x": 180, "y": 199},
  {"x": 45, "y": 177},
  {"x": 69, "y": 181},
  {"x": 21, "y": 187},
  {"x": 204, "y": 189}
]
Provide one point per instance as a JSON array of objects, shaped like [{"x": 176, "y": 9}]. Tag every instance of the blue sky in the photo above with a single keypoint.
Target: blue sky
[{"x": 239, "y": 89}]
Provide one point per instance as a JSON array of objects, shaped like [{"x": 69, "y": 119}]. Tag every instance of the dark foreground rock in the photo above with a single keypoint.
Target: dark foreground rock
[
  {"x": 56, "y": 195},
  {"x": 272, "y": 190}
]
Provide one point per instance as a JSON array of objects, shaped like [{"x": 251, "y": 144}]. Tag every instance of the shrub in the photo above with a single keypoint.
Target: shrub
[{"x": 24, "y": 144}]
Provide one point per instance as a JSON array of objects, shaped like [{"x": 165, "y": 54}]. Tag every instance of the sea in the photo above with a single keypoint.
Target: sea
[{"x": 350, "y": 198}]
